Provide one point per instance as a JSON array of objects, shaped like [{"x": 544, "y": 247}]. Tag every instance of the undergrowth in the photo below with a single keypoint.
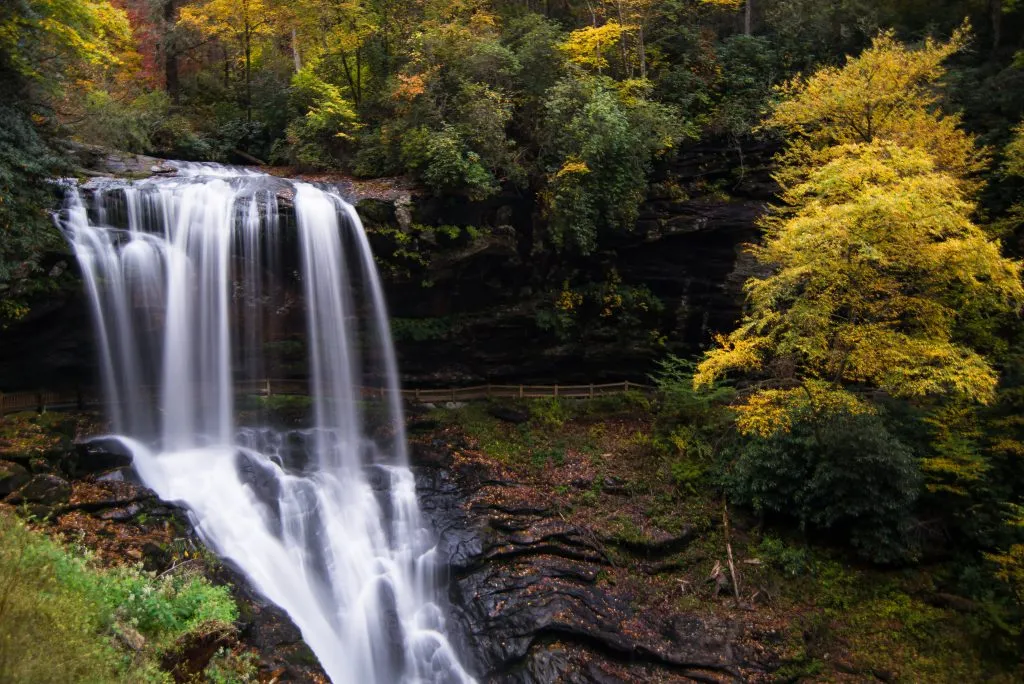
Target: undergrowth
[{"x": 64, "y": 620}]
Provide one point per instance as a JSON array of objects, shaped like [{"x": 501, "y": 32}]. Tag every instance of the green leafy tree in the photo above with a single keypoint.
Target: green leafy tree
[
  {"x": 601, "y": 140},
  {"x": 835, "y": 472}
]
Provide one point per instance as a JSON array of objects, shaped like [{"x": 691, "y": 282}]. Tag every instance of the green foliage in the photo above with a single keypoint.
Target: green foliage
[
  {"x": 687, "y": 473},
  {"x": 600, "y": 139},
  {"x": 420, "y": 329},
  {"x": 599, "y": 309},
  {"x": 229, "y": 667},
  {"x": 1014, "y": 153},
  {"x": 50, "y": 51},
  {"x": 26, "y": 162},
  {"x": 143, "y": 125},
  {"x": 692, "y": 425},
  {"x": 161, "y": 609},
  {"x": 842, "y": 473},
  {"x": 681, "y": 403},
  {"x": 748, "y": 71},
  {"x": 60, "y": 618},
  {"x": 790, "y": 560},
  {"x": 447, "y": 164},
  {"x": 550, "y": 413},
  {"x": 52, "y": 42},
  {"x": 325, "y": 119}
]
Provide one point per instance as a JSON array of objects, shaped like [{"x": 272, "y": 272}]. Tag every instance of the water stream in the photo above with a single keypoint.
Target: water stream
[{"x": 187, "y": 276}]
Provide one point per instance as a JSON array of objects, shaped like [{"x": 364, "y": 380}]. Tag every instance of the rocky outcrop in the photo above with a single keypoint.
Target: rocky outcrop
[
  {"x": 93, "y": 160},
  {"x": 474, "y": 301},
  {"x": 531, "y": 602}
]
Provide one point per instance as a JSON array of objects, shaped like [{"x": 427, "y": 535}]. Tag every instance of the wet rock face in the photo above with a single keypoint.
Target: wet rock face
[{"x": 529, "y": 602}]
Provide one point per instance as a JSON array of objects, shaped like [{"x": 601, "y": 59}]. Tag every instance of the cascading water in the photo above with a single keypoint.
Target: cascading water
[{"x": 180, "y": 290}]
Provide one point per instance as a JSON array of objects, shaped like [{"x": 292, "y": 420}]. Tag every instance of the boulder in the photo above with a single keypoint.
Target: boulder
[
  {"x": 528, "y": 603},
  {"x": 100, "y": 456},
  {"x": 44, "y": 489}
]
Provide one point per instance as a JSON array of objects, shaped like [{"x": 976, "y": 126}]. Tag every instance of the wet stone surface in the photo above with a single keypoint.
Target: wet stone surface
[{"x": 528, "y": 603}]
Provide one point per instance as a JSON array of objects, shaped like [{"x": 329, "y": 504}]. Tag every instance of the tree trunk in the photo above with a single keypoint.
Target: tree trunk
[
  {"x": 359, "y": 75},
  {"x": 642, "y": 47},
  {"x": 995, "y": 8},
  {"x": 627, "y": 72},
  {"x": 227, "y": 66},
  {"x": 172, "y": 80},
  {"x": 295, "y": 51},
  {"x": 352, "y": 82},
  {"x": 747, "y": 12},
  {"x": 248, "y": 77}
]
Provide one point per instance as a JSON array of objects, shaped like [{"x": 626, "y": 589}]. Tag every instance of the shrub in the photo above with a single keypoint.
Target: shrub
[
  {"x": 841, "y": 472},
  {"x": 550, "y": 413}
]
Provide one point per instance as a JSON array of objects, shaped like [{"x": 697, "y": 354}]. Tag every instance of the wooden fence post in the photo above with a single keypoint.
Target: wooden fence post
[
  {"x": 418, "y": 396},
  {"x": 520, "y": 391},
  {"x": 268, "y": 387},
  {"x": 591, "y": 390},
  {"x": 626, "y": 385},
  {"x": 453, "y": 395},
  {"x": 556, "y": 391},
  {"x": 40, "y": 407}
]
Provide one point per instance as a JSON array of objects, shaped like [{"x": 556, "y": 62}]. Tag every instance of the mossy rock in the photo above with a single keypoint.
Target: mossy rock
[{"x": 12, "y": 477}]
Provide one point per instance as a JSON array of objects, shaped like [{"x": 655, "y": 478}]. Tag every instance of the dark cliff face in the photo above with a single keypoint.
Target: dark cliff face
[
  {"x": 52, "y": 347},
  {"x": 687, "y": 249},
  {"x": 467, "y": 310}
]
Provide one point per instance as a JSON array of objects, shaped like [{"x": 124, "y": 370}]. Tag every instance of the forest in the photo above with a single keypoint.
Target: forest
[{"x": 857, "y": 418}]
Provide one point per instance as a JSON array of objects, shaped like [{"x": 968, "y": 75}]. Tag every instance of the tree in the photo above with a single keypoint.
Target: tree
[
  {"x": 600, "y": 141},
  {"x": 890, "y": 93},
  {"x": 874, "y": 257},
  {"x": 335, "y": 36},
  {"x": 51, "y": 42},
  {"x": 245, "y": 22},
  {"x": 50, "y": 50}
]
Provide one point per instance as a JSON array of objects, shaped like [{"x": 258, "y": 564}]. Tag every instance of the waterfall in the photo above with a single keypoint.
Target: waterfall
[{"x": 185, "y": 276}]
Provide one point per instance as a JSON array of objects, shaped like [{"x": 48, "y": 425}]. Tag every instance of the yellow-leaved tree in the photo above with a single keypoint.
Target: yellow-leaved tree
[
  {"x": 874, "y": 258},
  {"x": 243, "y": 24},
  {"x": 889, "y": 92}
]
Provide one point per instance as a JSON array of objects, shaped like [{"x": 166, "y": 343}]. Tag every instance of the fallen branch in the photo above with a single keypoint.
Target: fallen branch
[{"x": 728, "y": 548}]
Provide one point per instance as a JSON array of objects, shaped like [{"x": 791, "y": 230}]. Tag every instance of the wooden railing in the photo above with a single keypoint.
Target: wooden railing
[{"x": 14, "y": 402}]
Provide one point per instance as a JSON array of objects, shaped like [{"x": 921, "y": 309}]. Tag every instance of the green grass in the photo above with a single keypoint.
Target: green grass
[
  {"x": 64, "y": 620},
  {"x": 554, "y": 426}
]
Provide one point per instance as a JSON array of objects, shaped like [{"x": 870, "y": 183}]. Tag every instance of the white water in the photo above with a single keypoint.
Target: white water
[{"x": 182, "y": 298}]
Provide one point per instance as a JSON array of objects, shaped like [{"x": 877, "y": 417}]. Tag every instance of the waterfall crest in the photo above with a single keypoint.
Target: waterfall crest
[{"x": 181, "y": 273}]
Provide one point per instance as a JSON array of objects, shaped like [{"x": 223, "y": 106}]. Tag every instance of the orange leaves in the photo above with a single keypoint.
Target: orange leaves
[{"x": 410, "y": 87}]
